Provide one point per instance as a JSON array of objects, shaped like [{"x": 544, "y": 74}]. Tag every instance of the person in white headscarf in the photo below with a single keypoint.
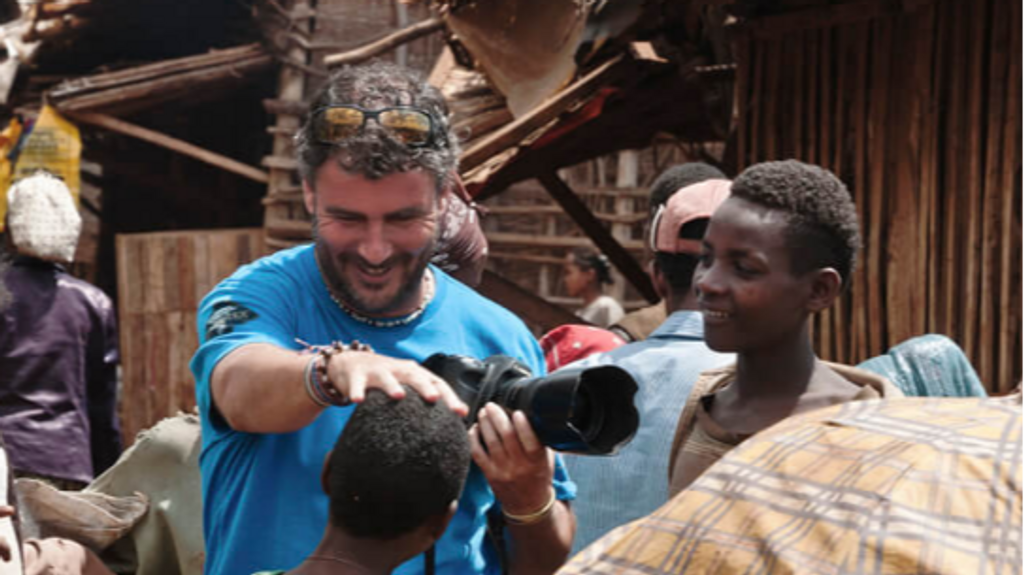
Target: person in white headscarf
[{"x": 58, "y": 345}]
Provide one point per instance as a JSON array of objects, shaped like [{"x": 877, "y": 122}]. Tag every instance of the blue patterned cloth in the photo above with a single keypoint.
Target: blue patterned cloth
[{"x": 928, "y": 366}]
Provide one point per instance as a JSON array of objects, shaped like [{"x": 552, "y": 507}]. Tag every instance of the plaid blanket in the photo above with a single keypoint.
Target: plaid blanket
[{"x": 915, "y": 485}]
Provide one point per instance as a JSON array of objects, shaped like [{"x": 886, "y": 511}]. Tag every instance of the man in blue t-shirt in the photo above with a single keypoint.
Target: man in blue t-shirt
[{"x": 375, "y": 155}]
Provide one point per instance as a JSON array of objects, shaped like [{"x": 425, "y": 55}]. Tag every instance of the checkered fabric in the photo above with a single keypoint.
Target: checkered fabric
[{"x": 915, "y": 485}]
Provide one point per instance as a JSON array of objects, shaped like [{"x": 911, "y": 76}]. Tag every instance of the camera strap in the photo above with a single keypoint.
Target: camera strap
[
  {"x": 495, "y": 530},
  {"x": 497, "y": 369},
  {"x": 430, "y": 561}
]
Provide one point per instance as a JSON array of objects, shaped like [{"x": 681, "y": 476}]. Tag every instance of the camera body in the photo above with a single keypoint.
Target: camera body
[{"x": 588, "y": 411}]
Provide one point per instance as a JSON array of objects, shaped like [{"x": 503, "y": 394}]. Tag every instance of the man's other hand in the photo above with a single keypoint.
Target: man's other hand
[{"x": 517, "y": 466}]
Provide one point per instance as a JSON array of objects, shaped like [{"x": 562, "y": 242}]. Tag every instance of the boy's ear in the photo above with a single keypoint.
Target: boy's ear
[
  {"x": 826, "y": 285},
  {"x": 439, "y": 523}
]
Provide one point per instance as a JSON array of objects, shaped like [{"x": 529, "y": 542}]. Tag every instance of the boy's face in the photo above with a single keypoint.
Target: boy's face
[{"x": 749, "y": 297}]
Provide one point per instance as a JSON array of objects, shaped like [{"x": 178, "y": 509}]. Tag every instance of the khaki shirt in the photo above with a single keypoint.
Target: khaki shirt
[{"x": 700, "y": 442}]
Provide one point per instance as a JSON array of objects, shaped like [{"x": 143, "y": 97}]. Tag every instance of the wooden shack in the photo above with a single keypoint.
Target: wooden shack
[{"x": 916, "y": 106}]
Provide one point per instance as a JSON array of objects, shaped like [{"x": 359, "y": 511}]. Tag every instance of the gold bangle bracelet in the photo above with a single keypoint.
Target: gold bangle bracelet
[{"x": 531, "y": 518}]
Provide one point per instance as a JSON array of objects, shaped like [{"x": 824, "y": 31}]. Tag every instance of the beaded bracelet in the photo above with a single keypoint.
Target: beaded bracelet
[
  {"x": 311, "y": 386},
  {"x": 317, "y": 381},
  {"x": 531, "y": 518}
]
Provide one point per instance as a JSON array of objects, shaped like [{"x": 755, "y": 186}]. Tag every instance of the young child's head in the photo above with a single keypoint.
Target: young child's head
[
  {"x": 782, "y": 247},
  {"x": 586, "y": 268},
  {"x": 397, "y": 470}
]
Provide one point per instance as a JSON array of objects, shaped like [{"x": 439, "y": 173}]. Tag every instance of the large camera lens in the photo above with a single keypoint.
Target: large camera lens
[
  {"x": 584, "y": 417},
  {"x": 585, "y": 410}
]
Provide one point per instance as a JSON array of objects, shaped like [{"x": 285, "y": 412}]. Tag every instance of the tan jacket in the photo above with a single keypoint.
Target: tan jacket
[
  {"x": 638, "y": 325},
  {"x": 699, "y": 442}
]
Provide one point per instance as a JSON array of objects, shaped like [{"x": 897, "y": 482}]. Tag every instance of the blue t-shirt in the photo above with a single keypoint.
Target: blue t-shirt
[{"x": 263, "y": 506}]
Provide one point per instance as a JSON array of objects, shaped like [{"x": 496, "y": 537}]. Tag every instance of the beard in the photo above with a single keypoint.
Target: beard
[{"x": 336, "y": 270}]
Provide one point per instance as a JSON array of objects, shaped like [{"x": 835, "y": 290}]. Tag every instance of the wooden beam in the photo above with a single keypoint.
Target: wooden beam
[
  {"x": 532, "y": 309},
  {"x": 173, "y": 144},
  {"x": 602, "y": 238},
  {"x": 531, "y": 210},
  {"x": 549, "y": 242},
  {"x": 389, "y": 42},
  {"x": 518, "y": 257},
  {"x": 134, "y": 75},
  {"x": 511, "y": 134},
  {"x": 149, "y": 93}
]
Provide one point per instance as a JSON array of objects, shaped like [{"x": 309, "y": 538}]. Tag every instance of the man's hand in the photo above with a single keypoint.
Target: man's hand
[
  {"x": 517, "y": 466},
  {"x": 353, "y": 372},
  {"x": 520, "y": 470}
]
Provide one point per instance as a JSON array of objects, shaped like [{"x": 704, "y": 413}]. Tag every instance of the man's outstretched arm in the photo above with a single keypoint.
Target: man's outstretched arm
[{"x": 260, "y": 387}]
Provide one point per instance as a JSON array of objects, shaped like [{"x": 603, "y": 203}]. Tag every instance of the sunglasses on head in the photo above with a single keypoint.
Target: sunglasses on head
[{"x": 410, "y": 126}]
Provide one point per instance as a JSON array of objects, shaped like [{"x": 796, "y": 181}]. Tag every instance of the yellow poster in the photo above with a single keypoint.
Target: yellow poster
[{"x": 53, "y": 145}]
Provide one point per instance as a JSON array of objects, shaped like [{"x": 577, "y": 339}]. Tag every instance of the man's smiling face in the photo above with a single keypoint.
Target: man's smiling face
[{"x": 374, "y": 237}]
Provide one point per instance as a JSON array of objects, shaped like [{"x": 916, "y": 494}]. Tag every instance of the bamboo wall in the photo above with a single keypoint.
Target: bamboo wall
[
  {"x": 161, "y": 279},
  {"x": 918, "y": 111}
]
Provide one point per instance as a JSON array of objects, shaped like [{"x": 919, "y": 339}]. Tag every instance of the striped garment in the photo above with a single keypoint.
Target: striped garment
[{"x": 913, "y": 485}]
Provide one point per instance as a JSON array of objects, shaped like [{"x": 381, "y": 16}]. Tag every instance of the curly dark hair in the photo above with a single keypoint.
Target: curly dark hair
[
  {"x": 822, "y": 220},
  {"x": 396, "y": 464},
  {"x": 678, "y": 177},
  {"x": 372, "y": 154},
  {"x": 588, "y": 259}
]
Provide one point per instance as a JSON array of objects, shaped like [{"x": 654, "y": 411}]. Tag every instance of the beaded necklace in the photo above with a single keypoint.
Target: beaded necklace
[
  {"x": 341, "y": 560},
  {"x": 428, "y": 295}
]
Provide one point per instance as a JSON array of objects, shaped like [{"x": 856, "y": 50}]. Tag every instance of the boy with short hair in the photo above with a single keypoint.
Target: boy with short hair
[
  {"x": 779, "y": 250},
  {"x": 393, "y": 479}
]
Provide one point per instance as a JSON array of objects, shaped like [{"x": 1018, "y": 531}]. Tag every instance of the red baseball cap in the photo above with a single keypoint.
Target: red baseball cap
[
  {"x": 691, "y": 203},
  {"x": 568, "y": 343}
]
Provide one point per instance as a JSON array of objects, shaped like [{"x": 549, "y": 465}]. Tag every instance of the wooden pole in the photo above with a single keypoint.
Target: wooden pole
[
  {"x": 954, "y": 180},
  {"x": 991, "y": 196},
  {"x": 972, "y": 240},
  {"x": 1010, "y": 280},
  {"x": 878, "y": 118},
  {"x": 174, "y": 144}
]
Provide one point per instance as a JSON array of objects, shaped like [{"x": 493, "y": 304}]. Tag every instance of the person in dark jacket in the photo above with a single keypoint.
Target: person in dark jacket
[{"x": 58, "y": 345}]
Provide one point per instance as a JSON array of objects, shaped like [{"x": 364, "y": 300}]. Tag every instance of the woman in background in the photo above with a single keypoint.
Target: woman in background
[{"x": 586, "y": 272}]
